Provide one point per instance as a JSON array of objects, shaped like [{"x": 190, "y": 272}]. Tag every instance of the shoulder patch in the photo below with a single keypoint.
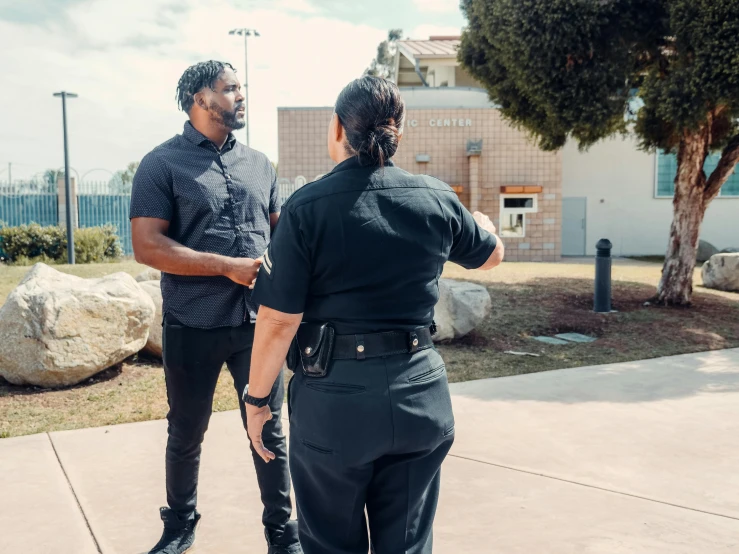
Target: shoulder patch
[{"x": 267, "y": 262}]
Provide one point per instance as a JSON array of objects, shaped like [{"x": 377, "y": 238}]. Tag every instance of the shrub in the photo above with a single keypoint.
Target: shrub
[
  {"x": 28, "y": 244},
  {"x": 3, "y": 255},
  {"x": 32, "y": 241},
  {"x": 95, "y": 245}
]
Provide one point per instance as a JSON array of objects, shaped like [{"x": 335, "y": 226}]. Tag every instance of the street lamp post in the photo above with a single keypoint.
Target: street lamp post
[
  {"x": 246, "y": 33},
  {"x": 67, "y": 187}
]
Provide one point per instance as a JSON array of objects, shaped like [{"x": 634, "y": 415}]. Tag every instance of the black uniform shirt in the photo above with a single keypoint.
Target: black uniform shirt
[
  {"x": 364, "y": 247},
  {"x": 216, "y": 201}
]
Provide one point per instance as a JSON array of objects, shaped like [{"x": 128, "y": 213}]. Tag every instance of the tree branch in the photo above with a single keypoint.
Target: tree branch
[{"x": 724, "y": 169}]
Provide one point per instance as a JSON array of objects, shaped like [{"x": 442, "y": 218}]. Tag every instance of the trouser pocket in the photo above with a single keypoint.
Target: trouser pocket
[{"x": 424, "y": 414}]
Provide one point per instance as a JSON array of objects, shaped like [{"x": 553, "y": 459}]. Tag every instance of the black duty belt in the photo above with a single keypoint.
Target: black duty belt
[{"x": 375, "y": 345}]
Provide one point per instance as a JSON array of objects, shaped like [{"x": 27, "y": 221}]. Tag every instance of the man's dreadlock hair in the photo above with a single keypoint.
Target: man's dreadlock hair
[{"x": 195, "y": 78}]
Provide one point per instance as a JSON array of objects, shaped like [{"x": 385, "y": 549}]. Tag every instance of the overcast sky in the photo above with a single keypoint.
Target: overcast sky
[{"x": 124, "y": 60}]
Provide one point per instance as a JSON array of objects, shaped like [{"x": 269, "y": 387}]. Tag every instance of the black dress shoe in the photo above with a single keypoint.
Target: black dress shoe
[
  {"x": 178, "y": 536},
  {"x": 280, "y": 549}
]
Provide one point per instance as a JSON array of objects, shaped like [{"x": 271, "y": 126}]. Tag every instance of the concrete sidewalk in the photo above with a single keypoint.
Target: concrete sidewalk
[{"x": 629, "y": 458}]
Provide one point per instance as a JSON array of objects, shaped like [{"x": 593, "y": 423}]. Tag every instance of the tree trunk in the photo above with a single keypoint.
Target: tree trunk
[{"x": 676, "y": 286}]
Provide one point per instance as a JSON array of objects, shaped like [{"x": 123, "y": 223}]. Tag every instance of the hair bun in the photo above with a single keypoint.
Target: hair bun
[
  {"x": 371, "y": 111},
  {"x": 381, "y": 144}
]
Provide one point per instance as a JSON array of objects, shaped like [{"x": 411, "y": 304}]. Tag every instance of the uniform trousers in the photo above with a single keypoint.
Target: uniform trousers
[{"x": 366, "y": 446}]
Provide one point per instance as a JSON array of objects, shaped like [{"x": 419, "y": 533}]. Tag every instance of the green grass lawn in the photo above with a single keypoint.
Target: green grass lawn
[{"x": 528, "y": 299}]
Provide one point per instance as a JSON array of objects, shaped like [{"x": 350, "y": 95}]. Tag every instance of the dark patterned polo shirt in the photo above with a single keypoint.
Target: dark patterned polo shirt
[{"x": 217, "y": 201}]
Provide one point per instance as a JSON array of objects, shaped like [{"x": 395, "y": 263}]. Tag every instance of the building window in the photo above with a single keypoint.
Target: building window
[
  {"x": 513, "y": 210},
  {"x": 667, "y": 171},
  {"x": 512, "y": 225}
]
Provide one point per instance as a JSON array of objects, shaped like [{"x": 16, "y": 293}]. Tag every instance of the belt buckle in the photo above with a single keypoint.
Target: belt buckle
[{"x": 413, "y": 342}]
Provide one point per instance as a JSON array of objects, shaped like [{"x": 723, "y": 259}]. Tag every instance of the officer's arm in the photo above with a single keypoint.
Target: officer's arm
[
  {"x": 272, "y": 337},
  {"x": 496, "y": 257},
  {"x": 152, "y": 247}
]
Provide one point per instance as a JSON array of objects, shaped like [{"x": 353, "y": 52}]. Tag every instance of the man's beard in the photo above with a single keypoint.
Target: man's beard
[{"x": 228, "y": 119}]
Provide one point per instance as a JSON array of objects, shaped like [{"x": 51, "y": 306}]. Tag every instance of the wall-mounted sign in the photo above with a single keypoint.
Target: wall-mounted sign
[{"x": 444, "y": 122}]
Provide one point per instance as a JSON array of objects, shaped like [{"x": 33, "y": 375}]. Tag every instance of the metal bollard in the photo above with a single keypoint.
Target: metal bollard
[{"x": 603, "y": 276}]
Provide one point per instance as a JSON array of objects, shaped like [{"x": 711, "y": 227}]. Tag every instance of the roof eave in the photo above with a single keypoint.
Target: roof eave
[{"x": 436, "y": 57}]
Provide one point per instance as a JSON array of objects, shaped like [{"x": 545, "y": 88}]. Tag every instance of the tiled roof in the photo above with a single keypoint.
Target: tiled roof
[{"x": 443, "y": 47}]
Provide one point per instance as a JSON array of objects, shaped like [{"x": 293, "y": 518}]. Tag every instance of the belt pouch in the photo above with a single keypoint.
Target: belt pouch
[{"x": 312, "y": 349}]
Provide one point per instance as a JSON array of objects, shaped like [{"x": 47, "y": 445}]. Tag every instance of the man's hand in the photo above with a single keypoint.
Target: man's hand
[
  {"x": 255, "y": 420},
  {"x": 260, "y": 259},
  {"x": 484, "y": 222},
  {"x": 243, "y": 270}
]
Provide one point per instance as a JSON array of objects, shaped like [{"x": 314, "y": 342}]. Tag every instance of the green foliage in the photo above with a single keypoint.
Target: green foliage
[
  {"x": 122, "y": 180},
  {"x": 3, "y": 255},
  {"x": 570, "y": 68},
  {"x": 33, "y": 241},
  {"x": 28, "y": 244},
  {"x": 127, "y": 174},
  {"x": 49, "y": 178},
  {"x": 96, "y": 244},
  {"x": 384, "y": 63}
]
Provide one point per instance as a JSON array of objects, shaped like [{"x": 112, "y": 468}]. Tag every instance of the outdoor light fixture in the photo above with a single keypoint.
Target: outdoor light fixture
[
  {"x": 246, "y": 33},
  {"x": 67, "y": 187}
]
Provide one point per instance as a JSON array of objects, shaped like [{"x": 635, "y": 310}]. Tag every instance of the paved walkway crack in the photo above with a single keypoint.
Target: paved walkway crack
[
  {"x": 74, "y": 493},
  {"x": 571, "y": 482}
]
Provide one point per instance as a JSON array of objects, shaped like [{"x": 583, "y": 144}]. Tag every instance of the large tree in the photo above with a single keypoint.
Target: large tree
[
  {"x": 384, "y": 63},
  {"x": 577, "y": 70}
]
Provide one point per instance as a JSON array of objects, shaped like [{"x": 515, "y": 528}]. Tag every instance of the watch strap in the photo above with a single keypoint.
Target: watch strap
[{"x": 257, "y": 402}]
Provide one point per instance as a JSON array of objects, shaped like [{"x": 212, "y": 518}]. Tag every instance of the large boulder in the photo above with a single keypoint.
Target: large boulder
[
  {"x": 57, "y": 330},
  {"x": 150, "y": 274},
  {"x": 154, "y": 344},
  {"x": 731, "y": 250},
  {"x": 462, "y": 306},
  {"x": 705, "y": 251},
  {"x": 722, "y": 272}
]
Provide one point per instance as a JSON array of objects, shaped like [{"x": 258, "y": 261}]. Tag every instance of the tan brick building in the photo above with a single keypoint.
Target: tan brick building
[{"x": 455, "y": 134}]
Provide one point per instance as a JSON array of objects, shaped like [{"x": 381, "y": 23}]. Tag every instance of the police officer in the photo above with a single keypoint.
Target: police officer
[{"x": 358, "y": 254}]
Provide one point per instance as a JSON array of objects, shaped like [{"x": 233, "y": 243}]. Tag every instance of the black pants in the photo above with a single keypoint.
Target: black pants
[
  {"x": 370, "y": 438},
  {"x": 193, "y": 359}
]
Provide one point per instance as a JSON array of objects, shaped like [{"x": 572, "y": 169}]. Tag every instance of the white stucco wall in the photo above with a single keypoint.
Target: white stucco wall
[
  {"x": 445, "y": 97},
  {"x": 618, "y": 181}
]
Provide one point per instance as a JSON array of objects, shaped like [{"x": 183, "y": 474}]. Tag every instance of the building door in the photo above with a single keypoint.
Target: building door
[{"x": 573, "y": 226}]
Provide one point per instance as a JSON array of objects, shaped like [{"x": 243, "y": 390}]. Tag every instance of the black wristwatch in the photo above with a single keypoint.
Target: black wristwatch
[{"x": 257, "y": 402}]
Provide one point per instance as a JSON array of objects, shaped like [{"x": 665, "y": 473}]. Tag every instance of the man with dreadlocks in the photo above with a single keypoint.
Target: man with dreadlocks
[{"x": 202, "y": 209}]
